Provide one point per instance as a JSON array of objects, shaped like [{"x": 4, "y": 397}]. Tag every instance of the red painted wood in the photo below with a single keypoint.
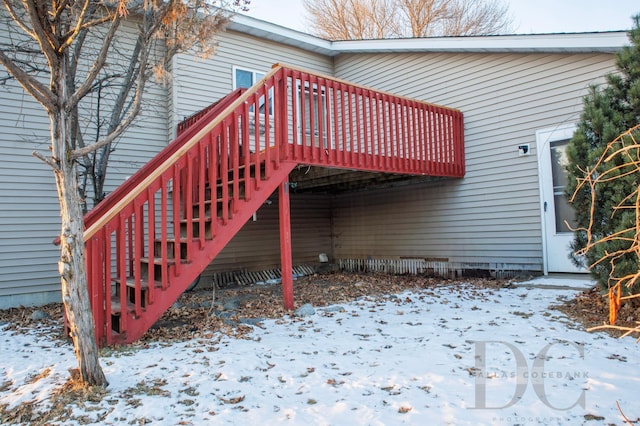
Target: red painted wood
[
  {"x": 201, "y": 188},
  {"x": 234, "y": 152},
  {"x": 176, "y": 196},
  {"x": 169, "y": 230},
  {"x": 164, "y": 230},
  {"x": 285, "y": 244},
  {"x": 96, "y": 289},
  {"x": 153, "y": 164},
  {"x": 104, "y": 330},
  {"x": 215, "y": 140},
  {"x": 246, "y": 151},
  {"x": 122, "y": 275},
  {"x": 335, "y": 158},
  {"x": 344, "y": 148},
  {"x": 138, "y": 254},
  {"x": 151, "y": 238},
  {"x": 267, "y": 131},
  {"x": 295, "y": 122}
]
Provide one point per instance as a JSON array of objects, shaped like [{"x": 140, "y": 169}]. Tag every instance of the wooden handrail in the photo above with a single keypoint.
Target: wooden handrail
[
  {"x": 105, "y": 215},
  {"x": 167, "y": 163},
  {"x": 193, "y": 139},
  {"x": 356, "y": 85},
  {"x": 154, "y": 234}
]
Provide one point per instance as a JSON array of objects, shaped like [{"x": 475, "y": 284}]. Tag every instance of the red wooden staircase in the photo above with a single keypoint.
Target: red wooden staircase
[{"x": 149, "y": 239}]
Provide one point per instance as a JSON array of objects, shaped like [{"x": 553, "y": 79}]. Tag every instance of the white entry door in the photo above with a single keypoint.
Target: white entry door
[{"x": 555, "y": 208}]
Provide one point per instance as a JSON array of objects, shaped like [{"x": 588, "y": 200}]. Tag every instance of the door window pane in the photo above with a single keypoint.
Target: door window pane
[{"x": 563, "y": 210}]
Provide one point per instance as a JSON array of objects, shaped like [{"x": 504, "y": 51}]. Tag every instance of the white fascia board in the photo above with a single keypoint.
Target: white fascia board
[
  {"x": 267, "y": 30},
  {"x": 564, "y": 42},
  {"x": 605, "y": 42}
]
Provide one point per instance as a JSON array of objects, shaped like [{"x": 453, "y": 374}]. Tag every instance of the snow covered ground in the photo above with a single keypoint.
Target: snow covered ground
[{"x": 451, "y": 355}]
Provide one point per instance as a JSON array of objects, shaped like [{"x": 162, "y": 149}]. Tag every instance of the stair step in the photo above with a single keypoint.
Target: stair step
[
  {"x": 133, "y": 307},
  {"x": 208, "y": 235},
  {"x": 206, "y": 219},
  {"x": 208, "y": 222},
  {"x": 116, "y": 318},
  {"x": 144, "y": 284},
  {"x": 116, "y": 307},
  {"x": 230, "y": 185},
  {"x": 241, "y": 189},
  {"x": 130, "y": 284},
  {"x": 230, "y": 181},
  {"x": 158, "y": 261},
  {"x": 195, "y": 207},
  {"x": 171, "y": 242}
]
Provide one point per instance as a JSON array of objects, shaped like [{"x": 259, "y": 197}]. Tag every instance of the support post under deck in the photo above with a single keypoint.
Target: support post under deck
[{"x": 285, "y": 244}]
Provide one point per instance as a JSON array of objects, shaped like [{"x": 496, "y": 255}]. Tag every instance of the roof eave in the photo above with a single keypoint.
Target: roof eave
[
  {"x": 594, "y": 42},
  {"x": 606, "y": 42},
  {"x": 280, "y": 34}
]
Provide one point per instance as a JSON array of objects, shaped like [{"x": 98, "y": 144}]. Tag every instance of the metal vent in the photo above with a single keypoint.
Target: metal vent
[
  {"x": 439, "y": 268},
  {"x": 270, "y": 276}
]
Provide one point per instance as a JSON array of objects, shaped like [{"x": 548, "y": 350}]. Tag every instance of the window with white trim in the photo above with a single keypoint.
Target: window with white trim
[
  {"x": 244, "y": 78},
  {"x": 319, "y": 112}
]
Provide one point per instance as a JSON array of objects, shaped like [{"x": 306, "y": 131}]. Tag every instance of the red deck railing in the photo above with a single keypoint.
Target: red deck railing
[
  {"x": 149, "y": 239},
  {"x": 334, "y": 123}
]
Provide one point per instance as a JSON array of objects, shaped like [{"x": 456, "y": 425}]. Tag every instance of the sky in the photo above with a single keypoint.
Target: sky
[
  {"x": 529, "y": 16},
  {"x": 455, "y": 354}
]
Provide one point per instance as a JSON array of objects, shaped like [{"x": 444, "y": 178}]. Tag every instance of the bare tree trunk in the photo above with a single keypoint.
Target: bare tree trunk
[
  {"x": 56, "y": 33},
  {"x": 73, "y": 276}
]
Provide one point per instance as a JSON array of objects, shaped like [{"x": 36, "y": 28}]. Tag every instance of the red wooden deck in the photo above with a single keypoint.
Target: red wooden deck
[{"x": 149, "y": 239}]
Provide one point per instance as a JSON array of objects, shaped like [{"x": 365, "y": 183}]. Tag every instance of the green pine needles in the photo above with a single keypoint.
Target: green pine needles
[{"x": 604, "y": 175}]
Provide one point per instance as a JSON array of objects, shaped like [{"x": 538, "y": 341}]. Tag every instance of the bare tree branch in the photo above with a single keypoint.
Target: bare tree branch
[
  {"x": 476, "y": 17},
  {"x": 46, "y": 160},
  {"x": 18, "y": 19},
  {"x": 39, "y": 91},
  {"x": 98, "y": 64},
  {"x": 119, "y": 124},
  {"x": 361, "y": 19},
  {"x": 423, "y": 15},
  {"x": 62, "y": 30},
  {"x": 69, "y": 38},
  {"x": 37, "y": 13}
]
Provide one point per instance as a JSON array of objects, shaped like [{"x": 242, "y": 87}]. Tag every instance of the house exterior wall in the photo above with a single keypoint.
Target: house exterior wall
[
  {"x": 257, "y": 245},
  {"x": 199, "y": 82},
  {"x": 491, "y": 218},
  {"x": 29, "y": 209},
  {"x": 29, "y": 215}
]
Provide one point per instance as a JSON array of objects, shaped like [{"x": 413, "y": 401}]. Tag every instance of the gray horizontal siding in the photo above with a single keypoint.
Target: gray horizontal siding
[
  {"x": 493, "y": 214},
  {"x": 29, "y": 213},
  {"x": 257, "y": 245},
  {"x": 199, "y": 82},
  {"x": 29, "y": 209}
]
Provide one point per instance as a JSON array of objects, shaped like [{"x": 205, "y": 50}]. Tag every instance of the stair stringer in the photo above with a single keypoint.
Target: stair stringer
[{"x": 202, "y": 257}]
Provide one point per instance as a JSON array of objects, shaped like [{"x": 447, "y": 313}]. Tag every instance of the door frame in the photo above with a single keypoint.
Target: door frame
[{"x": 544, "y": 137}]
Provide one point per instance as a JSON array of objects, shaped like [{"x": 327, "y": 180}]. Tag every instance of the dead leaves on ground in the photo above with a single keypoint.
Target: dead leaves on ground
[
  {"x": 259, "y": 301},
  {"x": 194, "y": 314},
  {"x": 592, "y": 309},
  {"x": 234, "y": 400}
]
